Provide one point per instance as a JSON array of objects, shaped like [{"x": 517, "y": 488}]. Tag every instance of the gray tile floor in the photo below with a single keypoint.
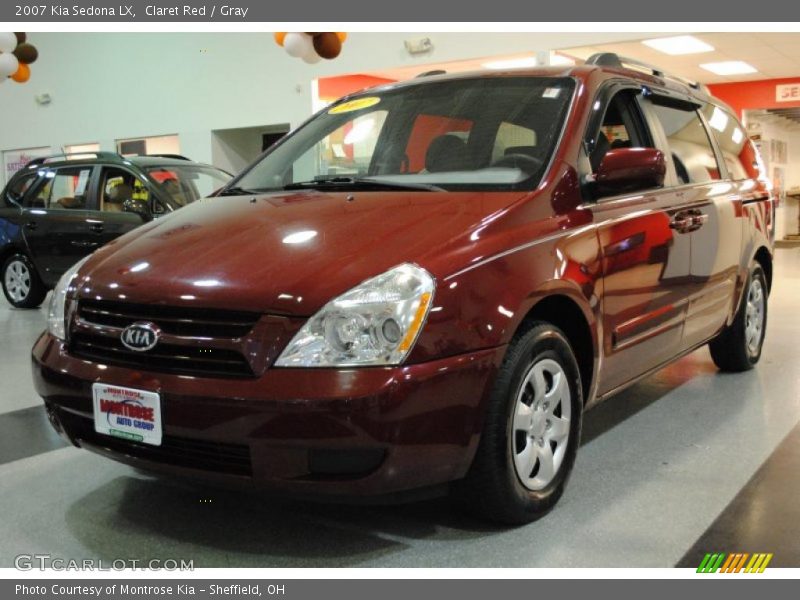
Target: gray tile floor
[{"x": 658, "y": 464}]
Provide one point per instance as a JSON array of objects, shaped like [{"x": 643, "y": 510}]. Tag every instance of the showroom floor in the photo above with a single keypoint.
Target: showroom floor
[{"x": 685, "y": 462}]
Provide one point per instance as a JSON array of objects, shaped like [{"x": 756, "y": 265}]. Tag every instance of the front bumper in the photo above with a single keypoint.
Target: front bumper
[{"x": 315, "y": 432}]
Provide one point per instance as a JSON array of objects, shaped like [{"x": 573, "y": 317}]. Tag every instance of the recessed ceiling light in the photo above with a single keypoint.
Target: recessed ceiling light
[
  {"x": 679, "y": 44},
  {"x": 511, "y": 63},
  {"x": 729, "y": 67},
  {"x": 556, "y": 60}
]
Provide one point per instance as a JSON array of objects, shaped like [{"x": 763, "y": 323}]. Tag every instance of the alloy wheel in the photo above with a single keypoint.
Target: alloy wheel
[
  {"x": 754, "y": 316},
  {"x": 18, "y": 280}
]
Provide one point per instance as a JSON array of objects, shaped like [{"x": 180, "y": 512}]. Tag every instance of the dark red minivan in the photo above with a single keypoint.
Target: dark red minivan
[{"x": 422, "y": 289}]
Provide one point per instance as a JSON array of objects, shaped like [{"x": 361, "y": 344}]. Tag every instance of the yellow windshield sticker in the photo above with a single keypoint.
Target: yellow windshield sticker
[{"x": 356, "y": 104}]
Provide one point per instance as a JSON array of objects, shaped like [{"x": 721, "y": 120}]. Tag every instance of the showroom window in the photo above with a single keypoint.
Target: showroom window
[
  {"x": 64, "y": 188},
  {"x": 692, "y": 153},
  {"x": 162, "y": 144},
  {"x": 82, "y": 148}
]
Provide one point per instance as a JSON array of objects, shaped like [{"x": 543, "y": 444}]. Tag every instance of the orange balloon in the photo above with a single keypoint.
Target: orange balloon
[
  {"x": 341, "y": 35},
  {"x": 279, "y": 37},
  {"x": 23, "y": 73}
]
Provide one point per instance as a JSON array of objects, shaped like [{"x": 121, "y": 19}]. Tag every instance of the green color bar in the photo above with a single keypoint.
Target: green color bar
[
  {"x": 722, "y": 556},
  {"x": 702, "y": 566}
]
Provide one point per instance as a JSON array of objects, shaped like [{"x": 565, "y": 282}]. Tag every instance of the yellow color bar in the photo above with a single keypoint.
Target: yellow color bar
[{"x": 766, "y": 562}]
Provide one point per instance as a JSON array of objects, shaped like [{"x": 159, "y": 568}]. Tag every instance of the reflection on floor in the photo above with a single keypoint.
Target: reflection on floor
[{"x": 660, "y": 464}]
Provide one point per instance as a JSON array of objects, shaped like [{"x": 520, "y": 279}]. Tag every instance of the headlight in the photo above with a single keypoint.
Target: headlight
[
  {"x": 375, "y": 323},
  {"x": 56, "y": 323}
]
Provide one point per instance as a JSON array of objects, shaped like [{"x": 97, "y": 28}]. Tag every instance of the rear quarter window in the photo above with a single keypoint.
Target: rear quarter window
[{"x": 741, "y": 157}]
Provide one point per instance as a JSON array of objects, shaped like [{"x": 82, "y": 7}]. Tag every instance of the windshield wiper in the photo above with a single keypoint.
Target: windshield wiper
[
  {"x": 236, "y": 191},
  {"x": 361, "y": 183}
]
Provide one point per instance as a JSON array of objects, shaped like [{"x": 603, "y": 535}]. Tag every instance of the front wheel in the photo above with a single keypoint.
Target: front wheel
[
  {"x": 21, "y": 283},
  {"x": 531, "y": 433},
  {"x": 738, "y": 346}
]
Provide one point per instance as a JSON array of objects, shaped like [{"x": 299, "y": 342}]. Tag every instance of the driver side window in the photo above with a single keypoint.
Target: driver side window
[{"x": 622, "y": 127}]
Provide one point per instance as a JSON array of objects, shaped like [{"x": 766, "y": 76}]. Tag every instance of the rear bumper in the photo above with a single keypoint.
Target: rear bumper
[{"x": 309, "y": 432}]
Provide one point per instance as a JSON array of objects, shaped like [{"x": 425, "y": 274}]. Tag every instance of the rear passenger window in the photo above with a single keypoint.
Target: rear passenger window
[
  {"x": 689, "y": 144},
  {"x": 64, "y": 188},
  {"x": 18, "y": 188},
  {"x": 737, "y": 150}
]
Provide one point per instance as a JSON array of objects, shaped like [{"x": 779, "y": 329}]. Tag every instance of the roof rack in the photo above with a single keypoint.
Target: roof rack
[
  {"x": 72, "y": 156},
  {"x": 432, "y": 73},
  {"x": 175, "y": 156},
  {"x": 611, "y": 59}
]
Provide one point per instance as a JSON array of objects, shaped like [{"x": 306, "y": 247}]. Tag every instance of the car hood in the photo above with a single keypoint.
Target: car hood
[{"x": 287, "y": 253}]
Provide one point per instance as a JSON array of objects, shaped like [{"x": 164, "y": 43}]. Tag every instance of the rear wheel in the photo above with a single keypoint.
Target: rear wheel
[
  {"x": 738, "y": 346},
  {"x": 21, "y": 283},
  {"x": 531, "y": 433}
]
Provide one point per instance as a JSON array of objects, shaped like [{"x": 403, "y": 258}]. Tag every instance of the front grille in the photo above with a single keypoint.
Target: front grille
[
  {"x": 182, "y": 452},
  {"x": 164, "y": 358},
  {"x": 213, "y": 350},
  {"x": 191, "y": 322}
]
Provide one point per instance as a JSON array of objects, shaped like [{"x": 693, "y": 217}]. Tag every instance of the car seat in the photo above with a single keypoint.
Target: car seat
[{"x": 446, "y": 153}]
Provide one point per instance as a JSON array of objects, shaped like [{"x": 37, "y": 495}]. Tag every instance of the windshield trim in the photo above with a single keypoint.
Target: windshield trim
[{"x": 371, "y": 91}]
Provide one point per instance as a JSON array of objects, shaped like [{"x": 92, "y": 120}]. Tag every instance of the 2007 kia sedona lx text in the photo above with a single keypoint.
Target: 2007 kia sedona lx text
[{"x": 423, "y": 288}]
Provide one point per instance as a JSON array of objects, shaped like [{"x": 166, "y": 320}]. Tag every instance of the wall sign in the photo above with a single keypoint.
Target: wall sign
[
  {"x": 14, "y": 160},
  {"x": 789, "y": 92}
]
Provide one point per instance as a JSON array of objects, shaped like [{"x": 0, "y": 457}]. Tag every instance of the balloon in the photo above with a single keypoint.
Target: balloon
[
  {"x": 21, "y": 37},
  {"x": 23, "y": 73},
  {"x": 328, "y": 45},
  {"x": 297, "y": 44},
  {"x": 342, "y": 36},
  {"x": 8, "y": 65},
  {"x": 279, "y": 37},
  {"x": 311, "y": 58},
  {"x": 8, "y": 41},
  {"x": 26, "y": 53}
]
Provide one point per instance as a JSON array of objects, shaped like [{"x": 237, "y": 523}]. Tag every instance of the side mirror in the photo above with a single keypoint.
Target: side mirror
[
  {"x": 139, "y": 207},
  {"x": 630, "y": 170}
]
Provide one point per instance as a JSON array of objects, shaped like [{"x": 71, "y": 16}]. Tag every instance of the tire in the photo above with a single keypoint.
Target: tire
[
  {"x": 738, "y": 347},
  {"x": 505, "y": 482},
  {"x": 22, "y": 285}
]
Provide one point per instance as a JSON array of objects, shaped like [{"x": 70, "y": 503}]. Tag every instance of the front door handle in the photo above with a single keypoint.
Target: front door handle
[
  {"x": 84, "y": 244},
  {"x": 687, "y": 221},
  {"x": 31, "y": 225},
  {"x": 681, "y": 224}
]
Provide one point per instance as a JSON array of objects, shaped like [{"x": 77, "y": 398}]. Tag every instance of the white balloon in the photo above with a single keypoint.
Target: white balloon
[
  {"x": 8, "y": 41},
  {"x": 298, "y": 44},
  {"x": 312, "y": 57},
  {"x": 8, "y": 64}
]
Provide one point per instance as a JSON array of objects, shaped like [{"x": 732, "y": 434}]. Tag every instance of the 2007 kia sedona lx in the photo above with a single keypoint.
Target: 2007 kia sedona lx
[{"x": 423, "y": 288}]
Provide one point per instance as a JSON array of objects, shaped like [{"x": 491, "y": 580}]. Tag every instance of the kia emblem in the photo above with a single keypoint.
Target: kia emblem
[{"x": 140, "y": 337}]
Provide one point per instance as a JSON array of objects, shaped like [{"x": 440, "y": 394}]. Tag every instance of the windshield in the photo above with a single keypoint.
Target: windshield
[
  {"x": 182, "y": 184},
  {"x": 485, "y": 133}
]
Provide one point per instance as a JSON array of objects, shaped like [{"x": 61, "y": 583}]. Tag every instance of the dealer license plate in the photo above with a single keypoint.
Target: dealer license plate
[{"x": 127, "y": 413}]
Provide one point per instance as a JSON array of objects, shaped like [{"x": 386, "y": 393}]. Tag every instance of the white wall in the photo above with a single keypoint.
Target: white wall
[{"x": 107, "y": 86}]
